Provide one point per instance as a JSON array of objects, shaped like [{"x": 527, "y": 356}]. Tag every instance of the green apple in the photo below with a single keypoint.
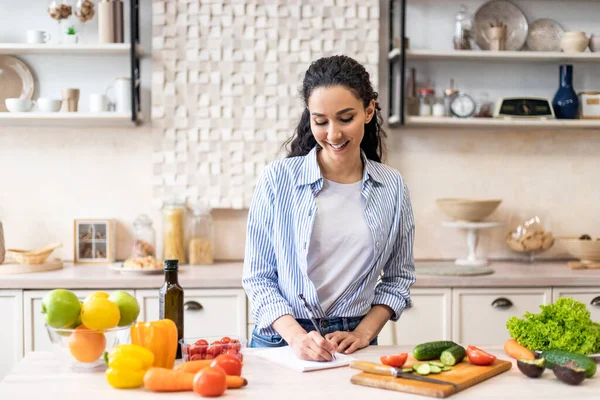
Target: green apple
[
  {"x": 128, "y": 306},
  {"x": 61, "y": 307}
]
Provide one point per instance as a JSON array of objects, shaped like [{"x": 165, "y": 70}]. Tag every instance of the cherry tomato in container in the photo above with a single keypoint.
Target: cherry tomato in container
[
  {"x": 396, "y": 360},
  {"x": 479, "y": 357}
]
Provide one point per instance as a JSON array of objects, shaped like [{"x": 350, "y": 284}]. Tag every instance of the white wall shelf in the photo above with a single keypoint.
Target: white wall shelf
[
  {"x": 497, "y": 122},
  {"x": 67, "y": 119},
  {"x": 496, "y": 56},
  {"x": 121, "y": 49}
]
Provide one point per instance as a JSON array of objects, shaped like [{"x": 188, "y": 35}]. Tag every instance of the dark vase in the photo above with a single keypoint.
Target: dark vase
[{"x": 566, "y": 102}]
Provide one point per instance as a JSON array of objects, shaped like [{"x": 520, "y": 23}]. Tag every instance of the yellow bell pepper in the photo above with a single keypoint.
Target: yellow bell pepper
[
  {"x": 127, "y": 365},
  {"x": 160, "y": 337}
]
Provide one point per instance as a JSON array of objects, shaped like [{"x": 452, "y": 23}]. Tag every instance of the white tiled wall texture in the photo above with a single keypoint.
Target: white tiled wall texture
[{"x": 225, "y": 79}]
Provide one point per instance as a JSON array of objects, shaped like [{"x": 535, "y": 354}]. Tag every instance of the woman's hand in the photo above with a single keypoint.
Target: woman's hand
[
  {"x": 313, "y": 347},
  {"x": 348, "y": 341}
]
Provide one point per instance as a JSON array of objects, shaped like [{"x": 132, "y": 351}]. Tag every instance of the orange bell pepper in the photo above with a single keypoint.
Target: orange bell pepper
[{"x": 160, "y": 337}]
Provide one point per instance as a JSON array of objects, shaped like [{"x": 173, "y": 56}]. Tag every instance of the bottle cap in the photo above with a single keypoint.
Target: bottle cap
[{"x": 171, "y": 265}]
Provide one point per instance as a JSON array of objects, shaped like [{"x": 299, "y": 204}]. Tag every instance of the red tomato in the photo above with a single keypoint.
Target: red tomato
[
  {"x": 196, "y": 357},
  {"x": 236, "y": 354},
  {"x": 213, "y": 350},
  {"x": 225, "y": 339},
  {"x": 201, "y": 342},
  {"x": 196, "y": 349},
  {"x": 235, "y": 344},
  {"x": 479, "y": 357},
  {"x": 208, "y": 356},
  {"x": 210, "y": 382},
  {"x": 396, "y": 360},
  {"x": 230, "y": 364}
]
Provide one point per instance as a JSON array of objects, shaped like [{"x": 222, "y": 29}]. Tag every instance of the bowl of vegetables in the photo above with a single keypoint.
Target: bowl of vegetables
[{"x": 209, "y": 347}]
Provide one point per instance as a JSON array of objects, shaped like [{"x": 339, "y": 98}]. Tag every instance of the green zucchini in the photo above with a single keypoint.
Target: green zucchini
[
  {"x": 453, "y": 355},
  {"x": 431, "y": 350},
  {"x": 561, "y": 357}
]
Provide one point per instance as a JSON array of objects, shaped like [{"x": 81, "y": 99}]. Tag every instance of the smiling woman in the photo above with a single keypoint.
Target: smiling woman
[{"x": 330, "y": 222}]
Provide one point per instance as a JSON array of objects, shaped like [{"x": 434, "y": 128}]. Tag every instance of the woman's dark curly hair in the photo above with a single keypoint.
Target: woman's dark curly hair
[{"x": 346, "y": 72}]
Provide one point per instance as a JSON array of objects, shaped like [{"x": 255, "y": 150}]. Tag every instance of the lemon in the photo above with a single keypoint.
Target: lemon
[
  {"x": 96, "y": 295},
  {"x": 99, "y": 313}
]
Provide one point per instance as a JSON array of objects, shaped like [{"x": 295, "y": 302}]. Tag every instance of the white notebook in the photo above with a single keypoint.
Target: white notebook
[{"x": 286, "y": 357}]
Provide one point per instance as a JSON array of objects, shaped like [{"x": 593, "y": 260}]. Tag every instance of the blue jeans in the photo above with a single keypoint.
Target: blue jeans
[{"x": 328, "y": 325}]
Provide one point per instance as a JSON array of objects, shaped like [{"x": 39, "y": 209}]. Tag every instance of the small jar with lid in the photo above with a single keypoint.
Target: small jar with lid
[
  {"x": 449, "y": 95},
  {"x": 201, "y": 245},
  {"x": 426, "y": 102},
  {"x": 144, "y": 242},
  {"x": 173, "y": 230}
]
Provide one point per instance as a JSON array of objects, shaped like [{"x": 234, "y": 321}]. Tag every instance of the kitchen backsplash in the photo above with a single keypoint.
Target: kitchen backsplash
[{"x": 224, "y": 86}]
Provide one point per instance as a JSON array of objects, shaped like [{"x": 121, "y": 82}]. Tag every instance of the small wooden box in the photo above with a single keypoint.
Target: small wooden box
[{"x": 94, "y": 241}]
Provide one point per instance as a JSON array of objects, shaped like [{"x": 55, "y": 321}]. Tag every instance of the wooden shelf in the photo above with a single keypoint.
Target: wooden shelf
[
  {"x": 66, "y": 119},
  {"x": 411, "y": 121},
  {"x": 68, "y": 49},
  {"x": 477, "y": 55}
]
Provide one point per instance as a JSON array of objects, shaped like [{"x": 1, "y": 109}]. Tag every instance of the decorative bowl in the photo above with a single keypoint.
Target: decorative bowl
[
  {"x": 470, "y": 210},
  {"x": 586, "y": 250}
]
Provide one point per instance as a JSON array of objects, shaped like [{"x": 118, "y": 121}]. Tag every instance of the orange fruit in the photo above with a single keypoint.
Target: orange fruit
[{"x": 85, "y": 345}]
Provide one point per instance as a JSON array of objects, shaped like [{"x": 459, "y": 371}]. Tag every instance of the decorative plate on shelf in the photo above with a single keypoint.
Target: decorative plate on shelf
[
  {"x": 16, "y": 80},
  {"x": 506, "y": 12},
  {"x": 544, "y": 35}
]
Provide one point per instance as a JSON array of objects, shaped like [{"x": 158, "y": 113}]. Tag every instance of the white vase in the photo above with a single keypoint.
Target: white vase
[
  {"x": 574, "y": 42},
  {"x": 595, "y": 42},
  {"x": 71, "y": 39}
]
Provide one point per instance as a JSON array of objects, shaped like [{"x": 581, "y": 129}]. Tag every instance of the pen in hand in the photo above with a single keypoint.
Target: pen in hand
[{"x": 311, "y": 316}]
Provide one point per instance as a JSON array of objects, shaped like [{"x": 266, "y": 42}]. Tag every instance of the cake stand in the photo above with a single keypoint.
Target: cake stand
[{"x": 472, "y": 240}]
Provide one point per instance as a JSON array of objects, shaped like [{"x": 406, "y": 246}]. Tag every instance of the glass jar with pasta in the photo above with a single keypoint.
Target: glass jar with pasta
[
  {"x": 173, "y": 230},
  {"x": 201, "y": 245}
]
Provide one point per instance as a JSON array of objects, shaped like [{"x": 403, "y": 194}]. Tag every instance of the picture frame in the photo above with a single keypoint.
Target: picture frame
[{"x": 94, "y": 241}]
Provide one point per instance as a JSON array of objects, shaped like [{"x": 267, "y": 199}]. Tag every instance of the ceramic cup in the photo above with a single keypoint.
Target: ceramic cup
[
  {"x": 71, "y": 98},
  {"x": 19, "y": 105},
  {"x": 98, "y": 102},
  {"x": 48, "y": 105},
  {"x": 574, "y": 42},
  {"x": 595, "y": 42},
  {"x": 34, "y": 36}
]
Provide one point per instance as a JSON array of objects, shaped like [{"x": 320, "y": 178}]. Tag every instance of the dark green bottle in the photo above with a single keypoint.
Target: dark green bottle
[{"x": 170, "y": 299}]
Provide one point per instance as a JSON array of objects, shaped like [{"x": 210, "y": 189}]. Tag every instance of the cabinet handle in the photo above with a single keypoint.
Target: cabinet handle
[
  {"x": 502, "y": 302},
  {"x": 595, "y": 301},
  {"x": 192, "y": 306}
]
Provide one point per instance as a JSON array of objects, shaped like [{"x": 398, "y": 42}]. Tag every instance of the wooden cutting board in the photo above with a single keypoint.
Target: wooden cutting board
[
  {"x": 11, "y": 268},
  {"x": 584, "y": 265},
  {"x": 463, "y": 374}
]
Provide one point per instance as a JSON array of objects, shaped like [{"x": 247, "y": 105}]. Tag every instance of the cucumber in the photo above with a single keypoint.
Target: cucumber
[
  {"x": 431, "y": 350},
  {"x": 407, "y": 370},
  {"x": 561, "y": 357},
  {"x": 415, "y": 366},
  {"x": 435, "y": 369},
  {"x": 446, "y": 369},
  {"x": 453, "y": 355},
  {"x": 424, "y": 369},
  {"x": 437, "y": 364}
]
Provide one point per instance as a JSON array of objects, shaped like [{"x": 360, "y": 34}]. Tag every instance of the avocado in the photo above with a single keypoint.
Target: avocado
[
  {"x": 570, "y": 373},
  {"x": 532, "y": 368}
]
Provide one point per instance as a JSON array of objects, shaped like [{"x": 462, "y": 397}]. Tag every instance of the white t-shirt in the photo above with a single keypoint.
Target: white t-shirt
[{"x": 341, "y": 244}]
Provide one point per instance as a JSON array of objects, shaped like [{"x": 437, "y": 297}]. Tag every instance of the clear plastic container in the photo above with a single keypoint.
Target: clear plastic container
[
  {"x": 144, "y": 242},
  {"x": 173, "y": 230},
  {"x": 201, "y": 245},
  {"x": 463, "y": 29}
]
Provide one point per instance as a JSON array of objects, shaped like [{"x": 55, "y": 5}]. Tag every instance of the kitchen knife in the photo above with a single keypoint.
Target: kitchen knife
[
  {"x": 380, "y": 369},
  {"x": 595, "y": 357}
]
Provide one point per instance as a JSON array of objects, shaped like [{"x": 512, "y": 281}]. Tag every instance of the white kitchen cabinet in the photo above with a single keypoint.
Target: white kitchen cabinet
[
  {"x": 11, "y": 314},
  {"x": 427, "y": 320},
  {"x": 480, "y": 315},
  {"x": 590, "y": 296},
  {"x": 208, "y": 312},
  {"x": 34, "y": 330}
]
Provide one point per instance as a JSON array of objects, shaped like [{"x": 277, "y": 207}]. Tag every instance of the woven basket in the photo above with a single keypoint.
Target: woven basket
[{"x": 32, "y": 256}]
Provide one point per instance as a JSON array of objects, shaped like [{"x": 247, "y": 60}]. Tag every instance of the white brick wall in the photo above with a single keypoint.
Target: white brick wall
[{"x": 224, "y": 85}]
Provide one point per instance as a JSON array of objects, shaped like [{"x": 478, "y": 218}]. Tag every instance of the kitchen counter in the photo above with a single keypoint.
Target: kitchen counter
[
  {"x": 229, "y": 274},
  {"x": 39, "y": 375}
]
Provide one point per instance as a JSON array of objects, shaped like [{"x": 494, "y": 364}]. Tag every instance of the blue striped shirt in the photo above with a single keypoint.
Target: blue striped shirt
[{"x": 280, "y": 221}]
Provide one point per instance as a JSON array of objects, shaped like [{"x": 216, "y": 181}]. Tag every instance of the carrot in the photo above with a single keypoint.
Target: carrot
[
  {"x": 515, "y": 350},
  {"x": 235, "y": 382},
  {"x": 193, "y": 366},
  {"x": 168, "y": 380}
]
